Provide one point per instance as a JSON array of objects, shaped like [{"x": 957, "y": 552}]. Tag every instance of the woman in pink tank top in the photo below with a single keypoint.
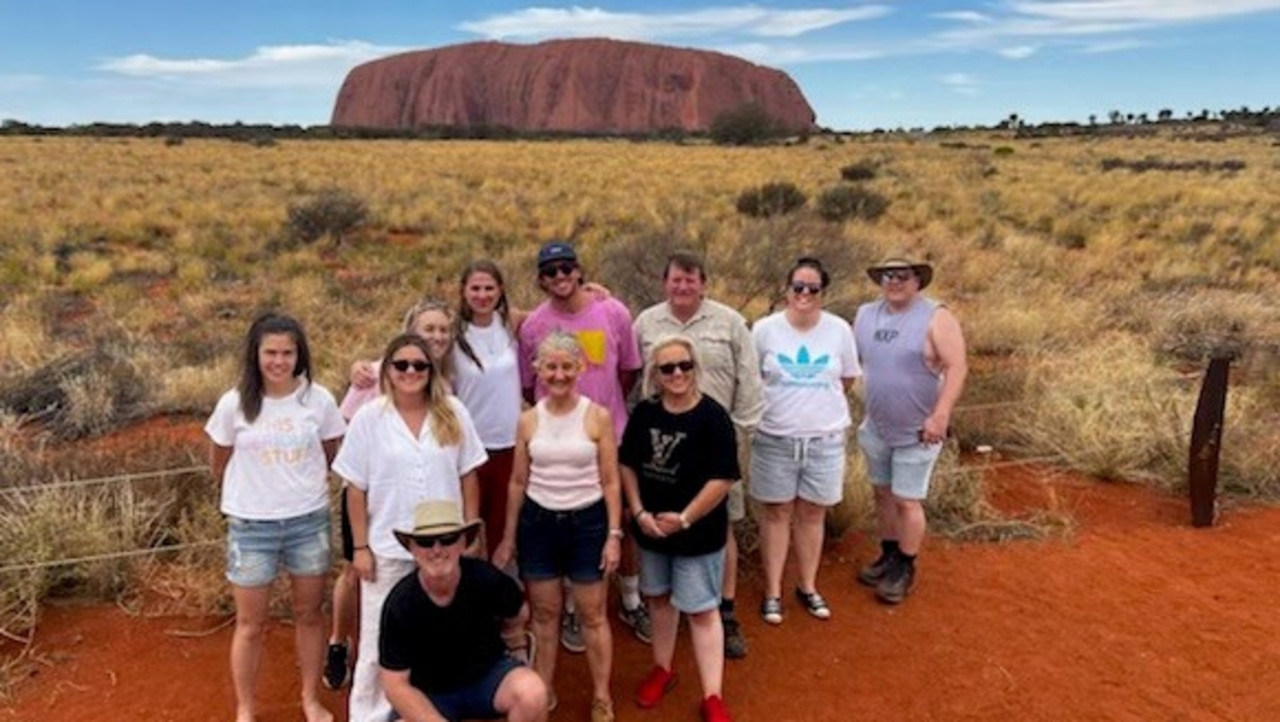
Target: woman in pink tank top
[{"x": 564, "y": 513}]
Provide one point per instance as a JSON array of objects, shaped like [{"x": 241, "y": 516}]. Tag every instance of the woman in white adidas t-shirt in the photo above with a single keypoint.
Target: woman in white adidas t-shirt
[
  {"x": 807, "y": 361},
  {"x": 274, "y": 436}
]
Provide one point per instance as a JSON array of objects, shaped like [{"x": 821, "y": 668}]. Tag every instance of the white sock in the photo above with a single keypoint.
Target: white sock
[
  {"x": 569, "y": 606},
  {"x": 630, "y": 584}
]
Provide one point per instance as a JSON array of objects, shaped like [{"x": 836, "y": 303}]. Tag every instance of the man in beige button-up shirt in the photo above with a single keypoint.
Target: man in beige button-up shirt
[{"x": 729, "y": 373}]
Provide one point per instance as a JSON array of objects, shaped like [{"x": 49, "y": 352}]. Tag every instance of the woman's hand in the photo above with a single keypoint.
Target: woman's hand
[
  {"x": 668, "y": 522},
  {"x": 362, "y": 375},
  {"x": 362, "y": 562},
  {"x": 610, "y": 555},
  {"x": 649, "y": 525},
  {"x": 503, "y": 554}
]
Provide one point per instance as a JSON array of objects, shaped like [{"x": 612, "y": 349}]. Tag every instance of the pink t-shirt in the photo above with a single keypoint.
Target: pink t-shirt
[{"x": 608, "y": 340}]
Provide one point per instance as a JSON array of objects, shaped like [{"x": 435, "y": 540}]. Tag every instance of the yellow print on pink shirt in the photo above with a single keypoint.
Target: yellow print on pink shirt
[{"x": 594, "y": 345}]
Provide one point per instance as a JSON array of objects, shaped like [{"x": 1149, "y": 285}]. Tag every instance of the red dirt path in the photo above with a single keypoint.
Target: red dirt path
[{"x": 1136, "y": 616}]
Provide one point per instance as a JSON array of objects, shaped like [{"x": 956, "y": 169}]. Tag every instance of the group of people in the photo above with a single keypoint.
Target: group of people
[{"x": 495, "y": 478}]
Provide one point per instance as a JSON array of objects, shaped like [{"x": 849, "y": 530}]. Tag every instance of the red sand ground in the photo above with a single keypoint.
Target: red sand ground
[{"x": 1136, "y": 616}]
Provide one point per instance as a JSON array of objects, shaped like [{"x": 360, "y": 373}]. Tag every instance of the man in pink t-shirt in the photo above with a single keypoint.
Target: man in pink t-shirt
[{"x": 603, "y": 327}]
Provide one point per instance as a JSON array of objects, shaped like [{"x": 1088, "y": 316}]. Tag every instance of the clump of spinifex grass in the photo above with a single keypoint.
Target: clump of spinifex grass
[{"x": 1109, "y": 411}]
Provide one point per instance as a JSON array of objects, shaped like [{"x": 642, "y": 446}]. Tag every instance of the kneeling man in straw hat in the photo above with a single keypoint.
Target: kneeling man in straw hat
[{"x": 441, "y": 648}]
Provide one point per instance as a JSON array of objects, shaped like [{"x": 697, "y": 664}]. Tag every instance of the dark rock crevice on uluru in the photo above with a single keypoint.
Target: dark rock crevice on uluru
[{"x": 570, "y": 86}]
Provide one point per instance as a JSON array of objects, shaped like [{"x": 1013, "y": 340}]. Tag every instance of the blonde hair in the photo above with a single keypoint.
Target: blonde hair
[
  {"x": 443, "y": 365},
  {"x": 651, "y": 386},
  {"x": 445, "y": 426},
  {"x": 558, "y": 342}
]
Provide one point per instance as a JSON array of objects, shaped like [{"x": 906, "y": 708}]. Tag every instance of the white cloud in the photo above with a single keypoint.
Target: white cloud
[
  {"x": 538, "y": 22},
  {"x": 964, "y": 16},
  {"x": 773, "y": 55},
  {"x": 1018, "y": 52},
  {"x": 1140, "y": 11},
  {"x": 268, "y": 66},
  {"x": 1115, "y": 46},
  {"x": 962, "y": 83}
]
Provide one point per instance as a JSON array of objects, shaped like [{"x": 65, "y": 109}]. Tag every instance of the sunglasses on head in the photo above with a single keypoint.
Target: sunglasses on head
[
  {"x": 901, "y": 274},
  {"x": 551, "y": 270},
  {"x": 800, "y": 288},
  {"x": 403, "y": 365},
  {"x": 427, "y": 542},
  {"x": 668, "y": 369}
]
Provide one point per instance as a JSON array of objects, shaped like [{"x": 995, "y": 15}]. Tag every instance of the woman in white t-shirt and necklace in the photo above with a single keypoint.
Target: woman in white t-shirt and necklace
[
  {"x": 414, "y": 443},
  {"x": 808, "y": 362},
  {"x": 273, "y": 437}
]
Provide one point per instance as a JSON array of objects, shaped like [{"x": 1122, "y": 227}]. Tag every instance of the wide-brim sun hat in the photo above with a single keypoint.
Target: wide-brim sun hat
[
  {"x": 437, "y": 518},
  {"x": 923, "y": 270}
]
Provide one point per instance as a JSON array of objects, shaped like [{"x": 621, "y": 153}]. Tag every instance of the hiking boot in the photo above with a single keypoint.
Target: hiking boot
[
  {"x": 713, "y": 710},
  {"x": 571, "y": 633},
  {"x": 735, "y": 644},
  {"x": 814, "y": 604},
  {"x": 896, "y": 584},
  {"x": 871, "y": 574},
  {"x": 654, "y": 687},
  {"x": 336, "y": 673},
  {"x": 601, "y": 711},
  {"x": 638, "y": 620}
]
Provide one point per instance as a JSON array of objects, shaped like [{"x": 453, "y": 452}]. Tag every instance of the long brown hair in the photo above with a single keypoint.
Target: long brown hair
[{"x": 465, "y": 315}]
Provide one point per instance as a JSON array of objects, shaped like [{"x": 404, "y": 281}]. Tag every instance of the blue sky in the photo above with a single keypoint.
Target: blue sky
[{"x": 862, "y": 65}]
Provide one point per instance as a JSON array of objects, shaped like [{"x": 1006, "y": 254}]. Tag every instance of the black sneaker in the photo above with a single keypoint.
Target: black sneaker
[
  {"x": 896, "y": 584},
  {"x": 336, "y": 672},
  {"x": 871, "y": 574},
  {"x": 735, "y": 644}
]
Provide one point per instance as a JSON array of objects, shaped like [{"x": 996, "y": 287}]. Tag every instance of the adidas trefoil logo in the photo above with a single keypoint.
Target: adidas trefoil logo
[{"x": 802, "y": 367}]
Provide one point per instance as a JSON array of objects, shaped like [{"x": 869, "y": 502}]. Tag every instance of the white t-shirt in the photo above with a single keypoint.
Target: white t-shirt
[
  {"x": 277, "y": 468},
  {"x": 382, "y": 458},
  {"x": 491, "y": 394},
  {"x": 803, "y": 373}
]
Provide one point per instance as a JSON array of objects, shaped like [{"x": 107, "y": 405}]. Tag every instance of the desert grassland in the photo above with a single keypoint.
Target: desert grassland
[{"x": 1089, "y": 298}]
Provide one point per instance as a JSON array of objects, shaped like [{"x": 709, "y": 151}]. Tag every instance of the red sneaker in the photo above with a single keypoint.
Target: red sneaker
[
  {"x": 658, "y": 682},
  {"x": 713, "y": 710}
]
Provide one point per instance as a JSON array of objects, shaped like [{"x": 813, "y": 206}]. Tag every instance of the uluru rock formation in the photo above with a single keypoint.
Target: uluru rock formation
[{"x": 575, "y": 86}]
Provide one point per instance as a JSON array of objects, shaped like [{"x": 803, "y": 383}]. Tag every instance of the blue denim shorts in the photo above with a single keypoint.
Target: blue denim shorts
[
  {"x": 906, "y": 470},
  {"x": 553, "y": 544},
  {"x": 475, "y": 701},
  {"x": 694, "y": 583},
  {"x": 256, "y": 549},
  {"x": 784, "y": 468}
]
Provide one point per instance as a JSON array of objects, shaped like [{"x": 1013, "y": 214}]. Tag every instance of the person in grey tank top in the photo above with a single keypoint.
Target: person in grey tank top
[{"x": 913, "y": 362}]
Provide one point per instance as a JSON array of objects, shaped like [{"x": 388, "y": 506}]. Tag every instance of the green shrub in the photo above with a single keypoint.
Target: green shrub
[
  {"x": 333, "y": 211},
  {"x": 863, "y": 170},
  {"x": 745, "y": 124},
  {"x": 771, "y": 199},
  {"x": 1002, "y": 150},
  {"x": 843, "y": 202}
]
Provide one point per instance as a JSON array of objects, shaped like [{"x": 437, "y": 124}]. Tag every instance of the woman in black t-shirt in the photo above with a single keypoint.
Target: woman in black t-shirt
[{"x": 679, "y": 458}]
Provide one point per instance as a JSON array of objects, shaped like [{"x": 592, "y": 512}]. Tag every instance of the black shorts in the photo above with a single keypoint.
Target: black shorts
[{"x": 553, "y": 544}]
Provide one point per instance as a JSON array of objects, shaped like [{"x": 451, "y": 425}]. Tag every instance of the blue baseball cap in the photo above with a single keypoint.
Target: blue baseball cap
[{"x": 556, "y": 251}]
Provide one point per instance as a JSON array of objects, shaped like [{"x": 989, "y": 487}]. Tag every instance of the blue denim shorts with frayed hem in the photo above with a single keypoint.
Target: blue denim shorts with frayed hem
[
  {"x": 552, "y": 544},
  {"x": 258, "y": 548},
  {"x": 694, "y": 583}
]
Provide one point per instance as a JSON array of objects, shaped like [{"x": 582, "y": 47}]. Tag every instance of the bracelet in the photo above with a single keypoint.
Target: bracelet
[
  {"x": 684, "y": 521},
  {"x": 362, "y": 546},
  {"x": 641, "y": 513},
  {"x": 616, "y": 533}
]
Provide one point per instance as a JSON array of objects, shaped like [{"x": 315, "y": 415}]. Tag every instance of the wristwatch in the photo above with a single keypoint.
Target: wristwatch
[
  {"x": 616, "y": 533},
  {"x": 684, "y": 521}
]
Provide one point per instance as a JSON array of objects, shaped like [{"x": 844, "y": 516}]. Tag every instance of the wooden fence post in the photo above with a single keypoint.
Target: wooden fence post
[{"x": 1206, "y": 439}]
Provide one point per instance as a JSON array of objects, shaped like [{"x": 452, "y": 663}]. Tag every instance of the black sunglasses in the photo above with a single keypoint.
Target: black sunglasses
[
  {"x": 426, "y": 542},
  {"x": 897, "y": 275},
  {"x": 551, "y": 270},
  {"x": 403, "y": 365},
  {"x": 799, "y": 288},
  {"x": 668, "y": 369}
]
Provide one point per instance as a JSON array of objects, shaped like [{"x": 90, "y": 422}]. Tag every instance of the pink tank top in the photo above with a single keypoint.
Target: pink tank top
[{"x": 564, "y": 468}]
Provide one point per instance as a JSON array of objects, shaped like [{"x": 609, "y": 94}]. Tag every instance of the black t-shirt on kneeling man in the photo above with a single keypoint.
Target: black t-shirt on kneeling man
[
  {"x": 673, "y": 457},
  {"x": 448, "y": 648}
]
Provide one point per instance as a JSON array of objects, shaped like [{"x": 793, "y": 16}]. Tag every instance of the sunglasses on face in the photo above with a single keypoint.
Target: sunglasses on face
[
  {"x": 899, "y": 275},
  {"x": 668, "y": 369},
  {"x": 551, "y": 270},
  {"x": 800, "y": 288},
  {"x": 427, "y": 542},
  {"x": 403, "y": 365}
]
